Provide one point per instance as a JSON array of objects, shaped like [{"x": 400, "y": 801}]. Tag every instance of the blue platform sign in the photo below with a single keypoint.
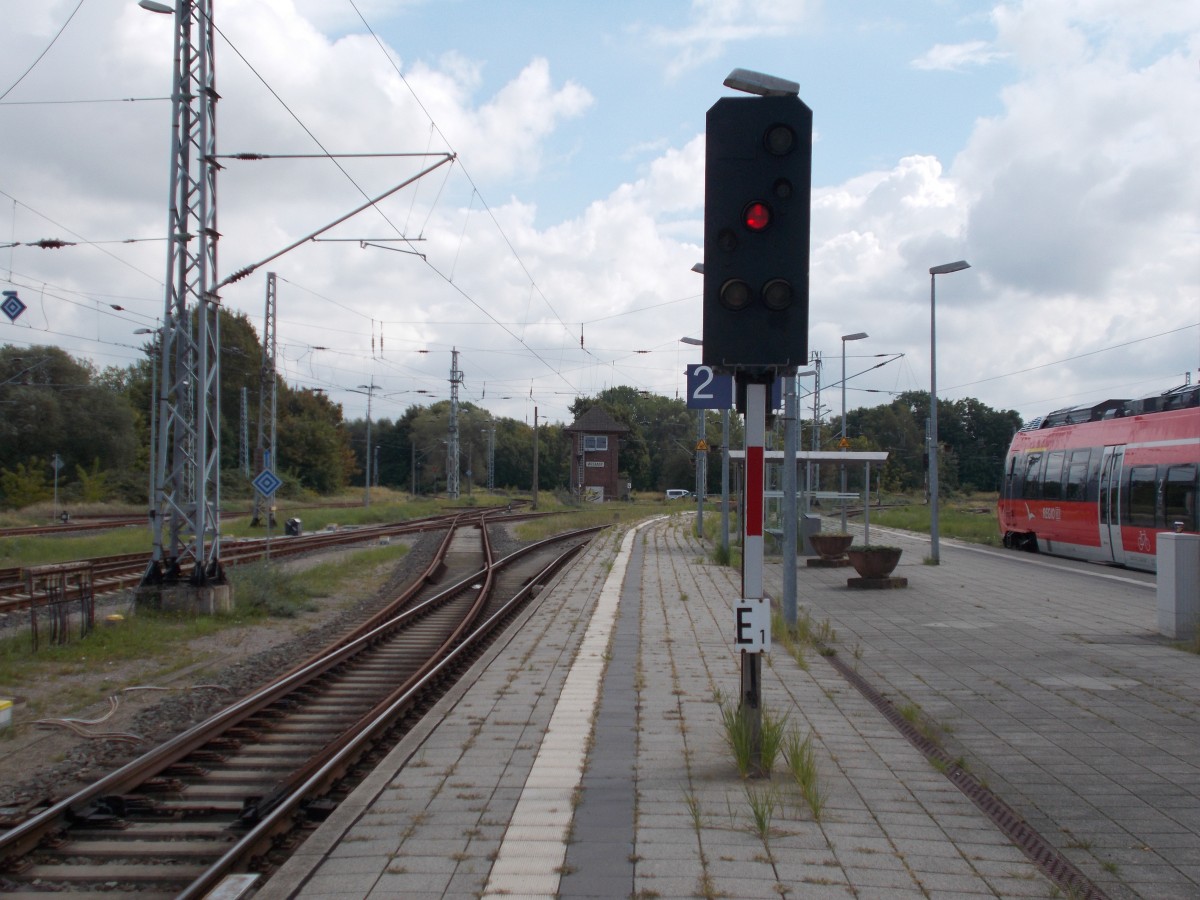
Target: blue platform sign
[
  {"x": 12, "y": 305},
  {"x": 708, "y": 390},
  {"x": 267, "y": 482}
]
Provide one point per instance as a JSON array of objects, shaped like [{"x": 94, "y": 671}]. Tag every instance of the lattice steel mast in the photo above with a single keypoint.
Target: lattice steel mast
[
  {"x": 184, "y": 512},
  {"x": 264, "y": 453},
  {"x": 456, "y": 378}
]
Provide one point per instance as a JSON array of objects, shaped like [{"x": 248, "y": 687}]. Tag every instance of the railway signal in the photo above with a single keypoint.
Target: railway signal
[{"x": 757, "y": 188}]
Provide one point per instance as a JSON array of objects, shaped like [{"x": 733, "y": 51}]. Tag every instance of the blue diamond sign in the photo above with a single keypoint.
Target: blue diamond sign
[
  {"x": 12, "y": 305},
  {"x": 267, "y": 482}
]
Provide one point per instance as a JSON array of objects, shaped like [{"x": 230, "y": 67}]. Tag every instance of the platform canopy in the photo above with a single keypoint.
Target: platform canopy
[{"x": 867, "y": 456}]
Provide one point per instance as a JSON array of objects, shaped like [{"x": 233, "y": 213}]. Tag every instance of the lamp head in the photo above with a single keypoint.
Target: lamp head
[
  {"x": 947, "y": 268},
  {"x": 763, "y": 85}
]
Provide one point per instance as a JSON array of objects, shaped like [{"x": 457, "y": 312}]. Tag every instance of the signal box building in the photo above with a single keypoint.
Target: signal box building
[{"x": 595, "y": 441}]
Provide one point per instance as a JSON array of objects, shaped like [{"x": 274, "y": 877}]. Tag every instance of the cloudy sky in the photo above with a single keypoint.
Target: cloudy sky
[{"x": 1055, "y": 144}]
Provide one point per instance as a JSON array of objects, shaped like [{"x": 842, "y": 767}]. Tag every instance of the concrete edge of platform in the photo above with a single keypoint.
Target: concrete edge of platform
[{"x": 293, "y": 874}]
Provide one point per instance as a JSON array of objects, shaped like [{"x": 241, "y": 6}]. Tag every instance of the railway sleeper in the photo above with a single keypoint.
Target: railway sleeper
[
  {"x": 194, "y": 809},
  {"x": 142, "y": 847},
  {"x": 155, "y": 830},
  {"x": 177, "y": 875},
  {"x": 246, "y": 776}
]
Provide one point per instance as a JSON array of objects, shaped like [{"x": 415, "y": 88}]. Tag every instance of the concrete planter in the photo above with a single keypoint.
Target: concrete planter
[
  {"x": 831, "y": 546},
  {"x": 874, "y": 566}
]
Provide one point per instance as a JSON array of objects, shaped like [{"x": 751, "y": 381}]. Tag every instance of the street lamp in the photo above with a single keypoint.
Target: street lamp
[
  {"x": 701, "y": 458},
  {"x": 857, "y": 336},
  {"x": 154, "y": 364},
  {"x": 944, "y": 269},
  {"x": 369, "y": 390}
]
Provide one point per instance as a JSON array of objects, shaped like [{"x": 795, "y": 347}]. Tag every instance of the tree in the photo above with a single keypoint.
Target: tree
[
  {"x": 24, "y": 485},
  {"x": 313, "y": 447},
  {"x": 93, "y": 484},
  {"x": 52, "y": 403}
]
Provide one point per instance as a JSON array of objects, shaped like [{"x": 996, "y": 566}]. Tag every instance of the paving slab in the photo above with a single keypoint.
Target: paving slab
[{"x": 586, "y": 756}]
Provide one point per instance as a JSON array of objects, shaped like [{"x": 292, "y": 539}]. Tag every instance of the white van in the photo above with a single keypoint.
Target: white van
[{"x": 677, "y": 493}]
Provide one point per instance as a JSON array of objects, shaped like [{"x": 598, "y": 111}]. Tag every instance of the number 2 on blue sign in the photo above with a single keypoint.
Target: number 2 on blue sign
[{"x": 707, "y": 389}]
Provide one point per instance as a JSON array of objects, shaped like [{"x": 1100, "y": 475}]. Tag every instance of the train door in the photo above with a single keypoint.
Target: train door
[{"x": 1110, "y": 503}]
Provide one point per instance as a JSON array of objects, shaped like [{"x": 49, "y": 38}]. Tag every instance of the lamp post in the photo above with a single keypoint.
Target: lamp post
[
  {"x": 700, "y": 457},
  {"x": 857, "y": 336},
  {"x": 154, "y": 363},
  {"x": 535, "y": 457},
  {"x": 944, "y": 269},
  {"x": 369, "y": 390}
]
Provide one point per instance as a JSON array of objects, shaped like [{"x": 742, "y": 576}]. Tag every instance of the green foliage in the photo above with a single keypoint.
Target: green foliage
[
  {"x": 801, "y": 761},
  {"x": 143, "y": 636},
  {"x": 739, "y": 735},
  {"x": 764, "y": 803},
  {"x": 265, "y": 589},
  {"x": 973, "y": 439},
  {"x": 99, "y": 423},
  {"x": 93, "y": 484},
  {"x": 744, "y": 736},
  {"x": 26, "y": 484},
  {"x": 32, "y": 550},
  {"x": 260, "y": 590},
  {"x": 53, "y": 403},
  {"x": 971, "y": 519}
]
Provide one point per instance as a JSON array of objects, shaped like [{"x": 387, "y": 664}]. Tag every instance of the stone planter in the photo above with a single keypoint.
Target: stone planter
[
  {"x": 831, "y": 549},
  {"x": 875, "y": 566}
]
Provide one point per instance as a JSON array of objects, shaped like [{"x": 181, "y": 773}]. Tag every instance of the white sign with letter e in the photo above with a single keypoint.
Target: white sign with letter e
[{"x": 753, "y": 625}]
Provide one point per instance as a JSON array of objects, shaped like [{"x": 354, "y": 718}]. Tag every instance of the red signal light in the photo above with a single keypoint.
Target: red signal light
[{"x": 756, "y": 216}]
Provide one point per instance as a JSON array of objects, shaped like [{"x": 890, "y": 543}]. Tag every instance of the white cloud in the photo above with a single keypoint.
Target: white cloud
[
  {"x": 714, "y": 24},
  {"x": 957, "y": 56},
  {"x": 1077, "y": 205}
]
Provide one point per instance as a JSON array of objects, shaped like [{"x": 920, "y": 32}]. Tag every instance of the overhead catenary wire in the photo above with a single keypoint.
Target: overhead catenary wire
[{"x": 42, "y": 55}]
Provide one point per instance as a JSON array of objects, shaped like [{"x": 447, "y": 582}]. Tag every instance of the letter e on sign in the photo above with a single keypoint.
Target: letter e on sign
[{"x": 752, "y": 623}]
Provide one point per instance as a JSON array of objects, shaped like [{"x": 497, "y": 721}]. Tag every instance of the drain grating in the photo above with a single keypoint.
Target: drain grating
[{"x": 1041, "y": 852}]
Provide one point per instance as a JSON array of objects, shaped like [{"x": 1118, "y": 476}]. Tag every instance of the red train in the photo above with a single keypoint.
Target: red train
[{"x": 1099, "y": 482}]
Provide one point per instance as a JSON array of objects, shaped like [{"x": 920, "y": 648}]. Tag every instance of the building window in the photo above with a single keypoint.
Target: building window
[{"x": 595, "y": 442}]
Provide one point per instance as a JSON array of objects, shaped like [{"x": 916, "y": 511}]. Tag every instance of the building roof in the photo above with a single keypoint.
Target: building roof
[{"x": 597, "y": 421}]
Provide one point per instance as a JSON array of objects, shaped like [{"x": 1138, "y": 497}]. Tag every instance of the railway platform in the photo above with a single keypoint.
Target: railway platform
[{"x": 1005, "y": 726}]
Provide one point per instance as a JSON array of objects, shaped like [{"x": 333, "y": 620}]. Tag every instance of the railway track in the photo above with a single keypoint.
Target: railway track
[
  {"x": 218, "y": 804},
  {"x": 114, "y": 573},
  {"x": 74, "y": 526}
]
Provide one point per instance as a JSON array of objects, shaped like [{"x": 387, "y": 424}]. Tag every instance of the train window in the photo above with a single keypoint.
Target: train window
[
  {"x": 1032, "y": 488},
  {"x": 1143, "y": 496},
  {"x": 1077, "y": 475},
  {"x": 1179, "y": 497},
  {"x": 1052, "y": 487}
]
